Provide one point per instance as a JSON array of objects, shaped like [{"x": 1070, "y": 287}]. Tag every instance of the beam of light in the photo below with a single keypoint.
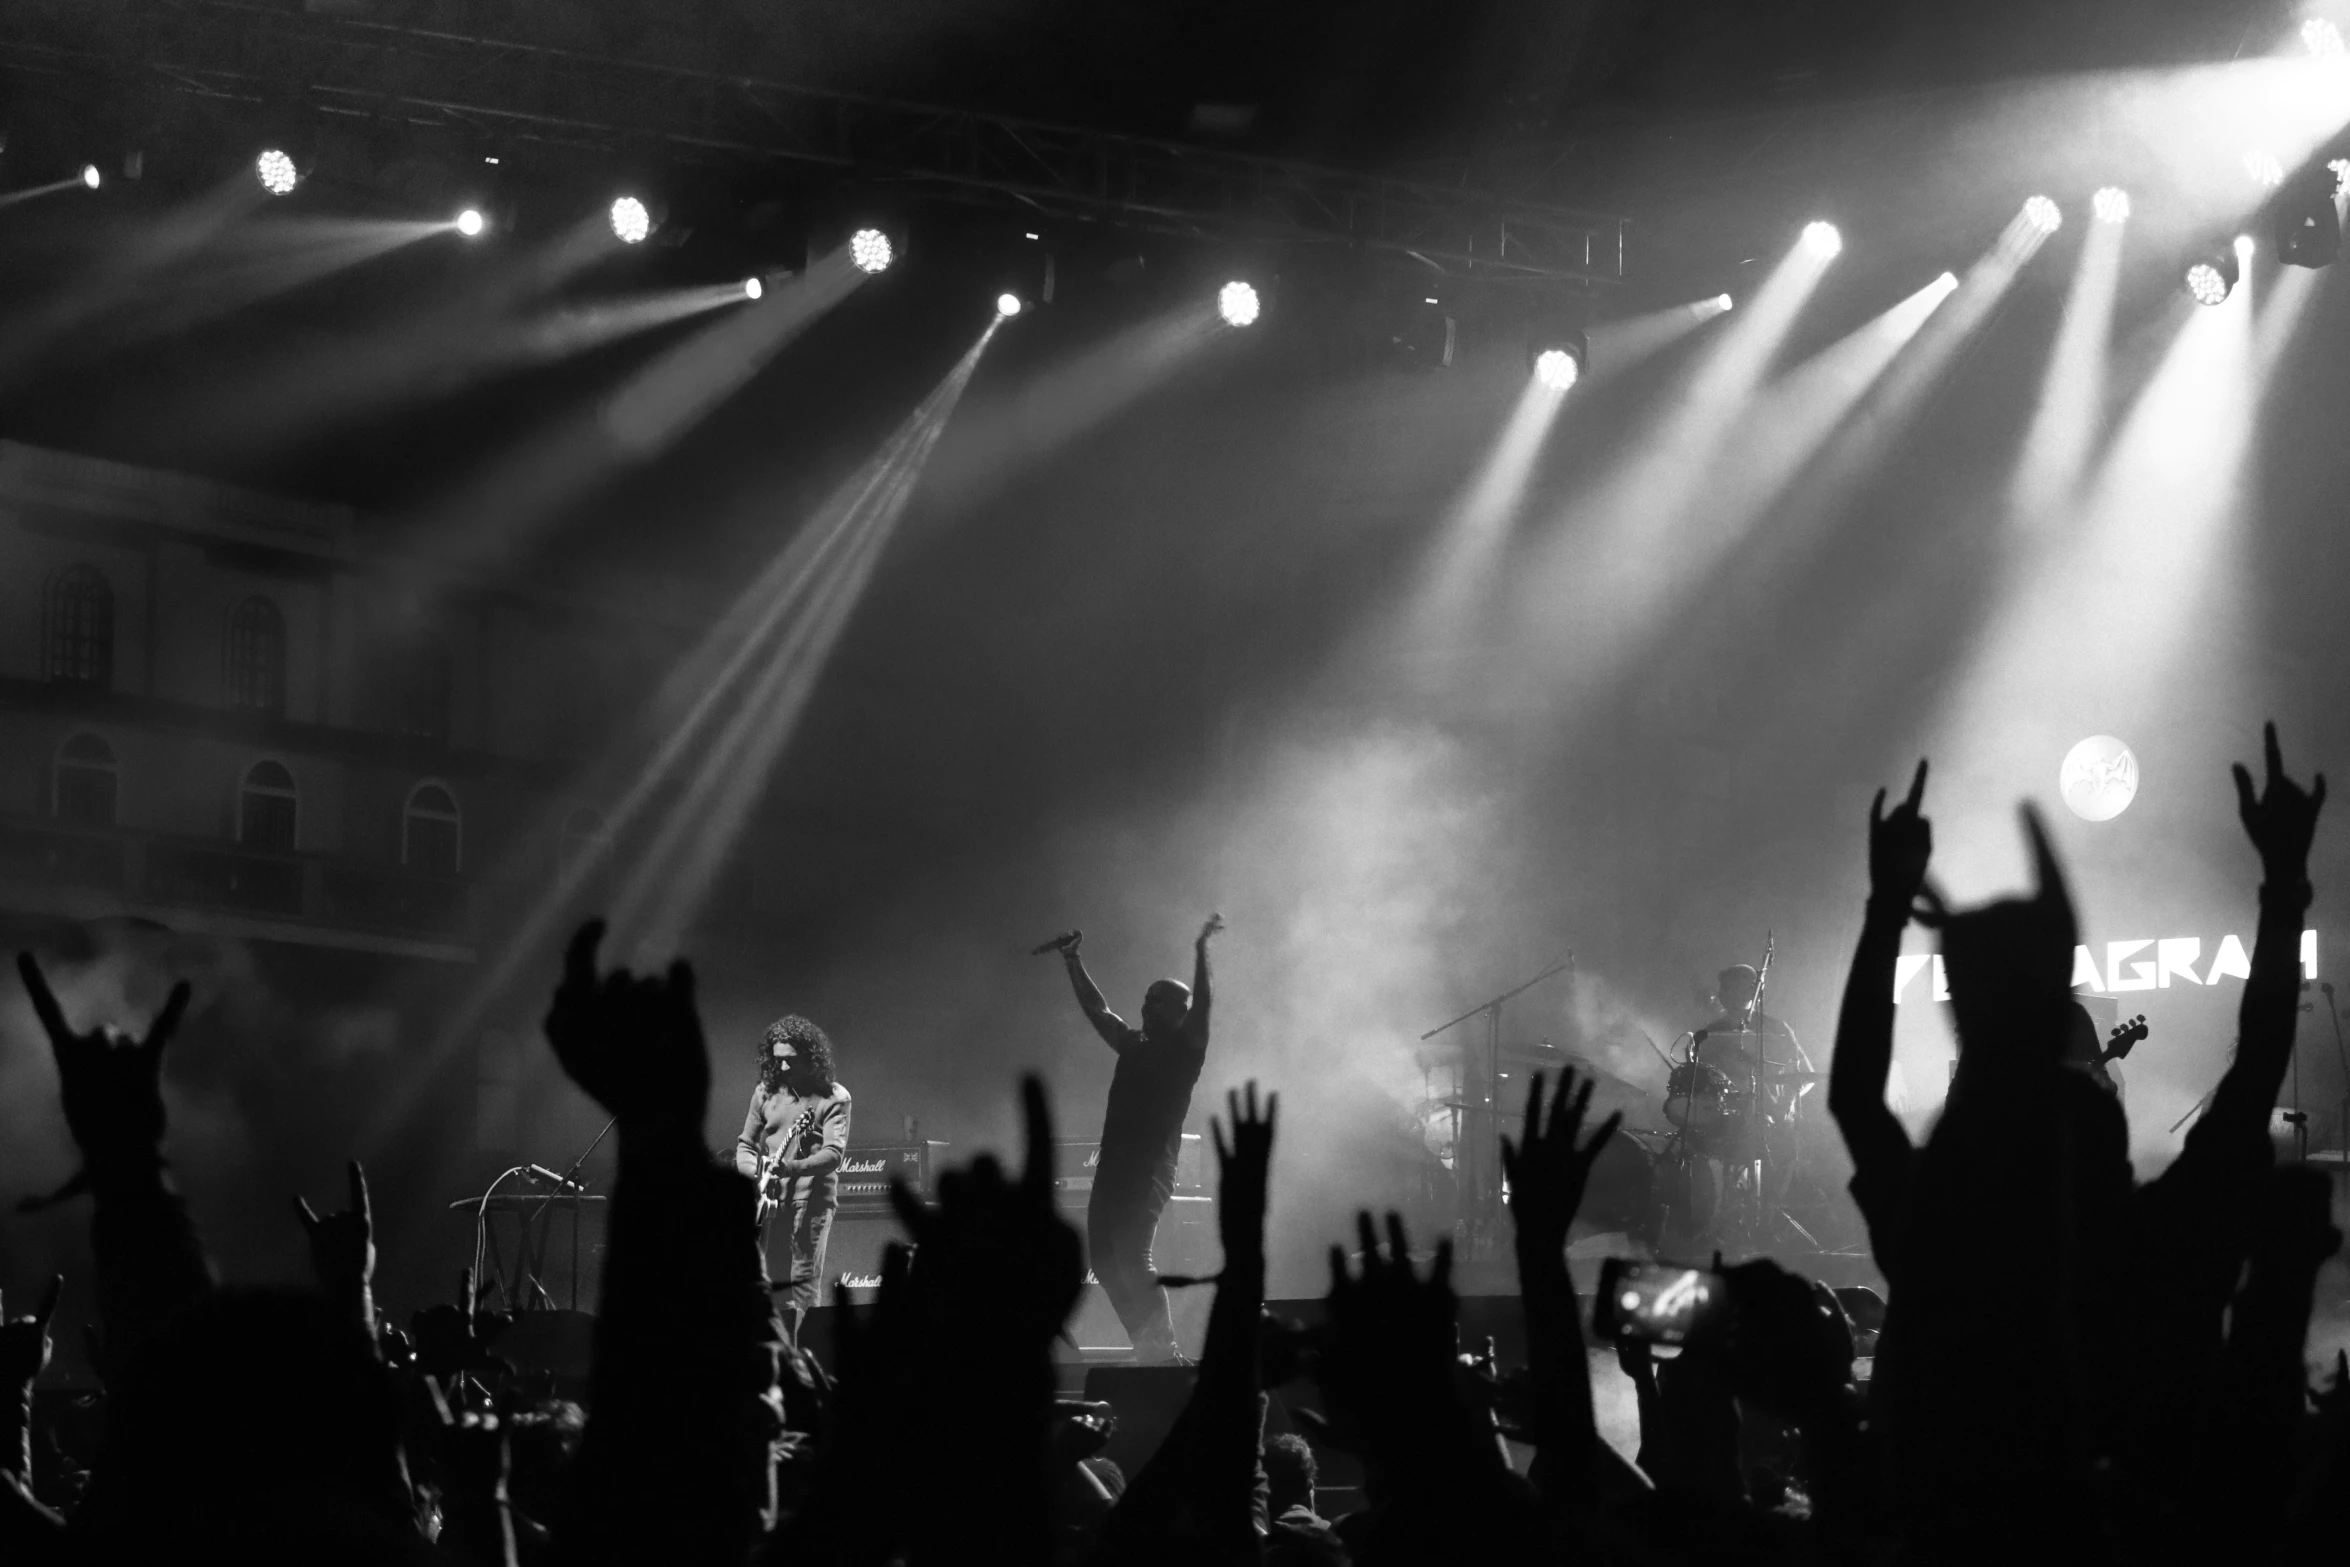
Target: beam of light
[
  {"x": 658, "y": 902},
  {"x": 742, "y": 689},
  {"x": 2148, "y": 548},
  {"x": 1906, "y": 389},
  {"x": 86, "y": 180},
  {"x": 1004, "y": 432},
  {"x": 1596, "y": 585},
  {"x": 256, "y": 262},
  {"x": 484, "y": 331},
  {"x": 2072, "y": 390},
  {"x": 120, "y": 274},
  {"x": 1617, "y": 346},
  {"x": 1469, "y": 539},
  {"x": 499, "y": 514}
]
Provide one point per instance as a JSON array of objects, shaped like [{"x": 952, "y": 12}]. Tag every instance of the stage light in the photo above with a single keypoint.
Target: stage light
[
  {"x": 1238, "y": 304},
  {"x": 470, "y": 223},
  {"x": 1556, "y": 369},
  {"x": 2320, "y": 36},
  {"x": 2243, "y": 249},
  {"x": 1559, "y": 362},
  {"x": 870, "y": 251},
  {"x": 631, "y": 221},
  {"x": 2112, "y": 204},
  {"x": 276, "y": 172},
  {"x": 1007, "y": 305},
  {"x": 2210, "y": 279},
  {"x": 1724, "y": 300},
  {"x": 753, "y": 288},
  {"x": 2043, "y": 214},
  {"x": 1822, "y": 240},
  {"x": 2098, "y": 778},
  {"x": 2306, "y": 225},
  {"x": 90, "y": 176},
  {"x": 2264, "y": 168}
]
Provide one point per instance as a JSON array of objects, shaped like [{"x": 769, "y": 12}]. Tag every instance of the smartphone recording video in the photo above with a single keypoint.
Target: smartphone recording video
[{"x": 1659, "y": 1303}]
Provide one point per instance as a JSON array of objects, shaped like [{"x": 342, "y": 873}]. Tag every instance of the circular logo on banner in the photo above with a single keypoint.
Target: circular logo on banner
[{"x": 2099, "y": 778}]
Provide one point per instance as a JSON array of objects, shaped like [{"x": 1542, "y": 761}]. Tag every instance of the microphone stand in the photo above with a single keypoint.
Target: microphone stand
[
  {"x": 577, "y": 1188},
  {"x": 1479, "y": 1190}
]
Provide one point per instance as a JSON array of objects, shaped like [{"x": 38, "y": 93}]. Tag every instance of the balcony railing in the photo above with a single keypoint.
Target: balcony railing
[{"x": 40, "y": 855}]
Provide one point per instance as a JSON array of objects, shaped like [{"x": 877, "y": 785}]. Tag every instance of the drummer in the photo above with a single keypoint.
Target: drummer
[{"x": 1771, "y": 1051}]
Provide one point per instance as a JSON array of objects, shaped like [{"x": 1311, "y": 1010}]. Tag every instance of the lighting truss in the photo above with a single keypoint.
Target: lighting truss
[{"x": 223, "y": 50}]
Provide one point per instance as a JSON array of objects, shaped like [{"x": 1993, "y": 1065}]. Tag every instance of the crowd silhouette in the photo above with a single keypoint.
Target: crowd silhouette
[{"x": 2072, "y": 1364}]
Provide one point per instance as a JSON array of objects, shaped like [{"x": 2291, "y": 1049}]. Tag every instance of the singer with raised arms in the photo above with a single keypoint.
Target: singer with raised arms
[
  {"x": 1142, "y": 1134},
  {"x": 793, "y": 1142}
]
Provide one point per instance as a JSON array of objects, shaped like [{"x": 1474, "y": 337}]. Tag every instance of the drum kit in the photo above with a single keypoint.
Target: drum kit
[{"x": 1743, "y": 1163}]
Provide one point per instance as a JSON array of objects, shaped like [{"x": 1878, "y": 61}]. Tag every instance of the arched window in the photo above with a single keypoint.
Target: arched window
[
  {"x": 580, "y": 841},
  {"x": 257, "y": 656},
  {"x": 268, "y": 808},
  {"x": 431, "y": 831},
  {"x": 77, "y": 614},
  {"x": 87, "y": 783}
]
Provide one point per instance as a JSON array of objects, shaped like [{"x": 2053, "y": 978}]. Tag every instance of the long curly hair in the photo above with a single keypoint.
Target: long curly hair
[{"x": 812, "y": 1053}]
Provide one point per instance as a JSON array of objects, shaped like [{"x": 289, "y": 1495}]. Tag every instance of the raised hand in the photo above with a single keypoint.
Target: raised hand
[
  {"x": 1547, "y": 1171},
  {"x": 2282, "y": 818},
  {"x": 1900, "y": 843},
  {"x": 111, "y": 1084},
  {"x": 24, "y": 1341},
  {"x": 635, "y": 1045},
  {"x": 1243, "y": 1169},
  {"x": 1387, "y": 1362},
  {"x": 342, "y": 1245},
  {"x": 995, "y": 1259},
  {"x": 1215, "y": 923}
]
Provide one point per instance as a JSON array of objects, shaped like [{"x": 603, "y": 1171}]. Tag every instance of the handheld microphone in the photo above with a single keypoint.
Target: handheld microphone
[{"x": 1059, "y": 943}]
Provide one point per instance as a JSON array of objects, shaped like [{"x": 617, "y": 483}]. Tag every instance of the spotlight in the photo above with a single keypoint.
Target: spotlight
[
  {"x": 2243, "y": 249},
  {"x": 2210, "y": 279},
  {"x": 753, "y": 288},
  {"x": 870, "y": 251},
  {"x": 275, "y": 169},
  {"x": 2264, "y": 168},
  {"x": 1238, "y": 304},
  {"x": 1724, "y": 301},
  {"x": 470, "y": 223},
  {"x": 1559, "y": 362},
  {"x": 2043, "y": 214},
  {"x": 1822, "y": 240},
  {"x": 2112, "y": 204},
  {"x": 2320, "y": 36},
  {"x": 90, "y": 176},
  {"x": 631, "y": 221},
  {"x": 1007, "y": 305},
  {"x": 2305, "y": 224}
]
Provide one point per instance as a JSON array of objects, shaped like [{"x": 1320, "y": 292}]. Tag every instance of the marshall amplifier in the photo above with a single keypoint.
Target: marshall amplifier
[
  {"x": 1074, "y": 1162},
  {"x": 866, "y": 1173}
]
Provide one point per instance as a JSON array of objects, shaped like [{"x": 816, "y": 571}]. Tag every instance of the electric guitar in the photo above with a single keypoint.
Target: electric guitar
[
  {"x": 773, "y": 1182},
  {"x": 2119, "y": 1043}
]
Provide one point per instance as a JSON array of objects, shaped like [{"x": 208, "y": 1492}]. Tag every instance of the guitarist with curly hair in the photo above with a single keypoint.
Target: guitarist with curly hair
[{"x": 793, "y": 1141}]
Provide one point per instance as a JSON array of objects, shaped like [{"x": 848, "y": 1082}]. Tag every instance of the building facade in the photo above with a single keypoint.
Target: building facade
[{"x": 220, "y": 714}]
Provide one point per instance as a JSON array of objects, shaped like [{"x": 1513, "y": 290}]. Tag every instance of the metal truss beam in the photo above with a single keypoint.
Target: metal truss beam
[{"x": 244, "y": 52}]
